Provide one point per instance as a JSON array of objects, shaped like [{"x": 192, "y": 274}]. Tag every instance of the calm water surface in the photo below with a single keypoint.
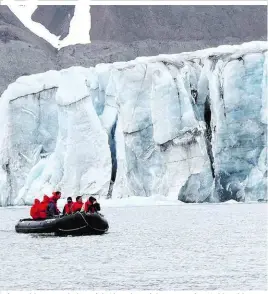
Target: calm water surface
[{"x": 187, "y": 247}]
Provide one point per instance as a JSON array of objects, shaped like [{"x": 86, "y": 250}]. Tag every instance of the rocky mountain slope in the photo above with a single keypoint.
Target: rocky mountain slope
[
  {"x": 21, "y": 51},
  {"x": 121, "y": 33}
]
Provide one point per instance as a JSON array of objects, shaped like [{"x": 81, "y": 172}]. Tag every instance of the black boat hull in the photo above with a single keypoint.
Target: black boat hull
[{"x": 74, "y": 224}]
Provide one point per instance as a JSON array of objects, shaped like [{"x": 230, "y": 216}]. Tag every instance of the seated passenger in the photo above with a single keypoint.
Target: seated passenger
[
  {"x": 52, "y": 208},
  {"x": 78, "y": 204},
  {"x": 91, "y": 205},
  {"x": 43, "y": 207},
  {"x": 68, "y": 207},
  {"x": 35, "y": 209}
]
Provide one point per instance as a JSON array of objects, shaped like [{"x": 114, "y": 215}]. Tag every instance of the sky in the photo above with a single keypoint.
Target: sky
[{"x": 79, "y": 25}]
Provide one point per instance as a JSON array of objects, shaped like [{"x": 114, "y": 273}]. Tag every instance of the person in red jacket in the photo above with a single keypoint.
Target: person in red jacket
[
  {"x": 55, "y": 196},
  {"x": 68, "y": 207},
  {"x": 43, "y": 207},
  {"x": 52, "y": 208},
  {"x": 78, "y": 204},
  {"x": 91, "y": 205},
  {"x": 35, "y": 209}
]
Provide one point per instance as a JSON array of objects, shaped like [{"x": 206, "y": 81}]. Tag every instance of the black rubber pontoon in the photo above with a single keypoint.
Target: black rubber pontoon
[{"x": 74, "y": 224}]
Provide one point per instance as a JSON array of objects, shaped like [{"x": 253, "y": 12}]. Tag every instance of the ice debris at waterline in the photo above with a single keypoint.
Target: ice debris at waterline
[{"x": 190, "y": 126}]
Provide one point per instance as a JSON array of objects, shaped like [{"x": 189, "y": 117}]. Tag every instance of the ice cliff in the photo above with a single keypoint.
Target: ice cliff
[{"x": 191, "y": 126}]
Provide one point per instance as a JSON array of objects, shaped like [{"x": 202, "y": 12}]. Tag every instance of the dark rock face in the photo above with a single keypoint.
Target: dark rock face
[
  {"x": 204, "y": 25},
  {"x": 8, "y": 18},
  {"x": 55, "y": 18},
  {"x": 21, "y": 51},
  {"x": 122, "y": 33},
  {"x": 177, "y": 23}
]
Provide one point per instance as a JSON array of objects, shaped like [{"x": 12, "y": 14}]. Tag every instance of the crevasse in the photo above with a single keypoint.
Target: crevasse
[{"x": 191, "y": 126}]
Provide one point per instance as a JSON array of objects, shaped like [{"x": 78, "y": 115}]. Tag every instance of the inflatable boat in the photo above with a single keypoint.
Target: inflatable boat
[{"x": 74, "y": 224}]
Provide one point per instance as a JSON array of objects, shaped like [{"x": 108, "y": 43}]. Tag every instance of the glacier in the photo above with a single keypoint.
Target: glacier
[{"x": 189, "y": 127}]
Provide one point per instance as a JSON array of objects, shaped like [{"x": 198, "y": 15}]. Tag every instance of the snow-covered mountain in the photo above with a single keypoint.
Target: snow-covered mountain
[
  {"x": 116, "y": 33},
  {"x": 189, "y": 126},
  {"x": 57, "y": 19},
  {"x": 59, "y": 25}
]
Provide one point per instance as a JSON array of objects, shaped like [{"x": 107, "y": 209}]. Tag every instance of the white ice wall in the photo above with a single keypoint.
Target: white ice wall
[{"x": 57, "y": 128}]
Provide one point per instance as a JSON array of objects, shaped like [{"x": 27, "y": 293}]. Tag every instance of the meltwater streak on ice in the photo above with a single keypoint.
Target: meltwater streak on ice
[{"x": 188, "y": 126}]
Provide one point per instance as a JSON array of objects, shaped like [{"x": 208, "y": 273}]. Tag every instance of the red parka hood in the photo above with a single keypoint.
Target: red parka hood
[{"x": 45, "y": 199}]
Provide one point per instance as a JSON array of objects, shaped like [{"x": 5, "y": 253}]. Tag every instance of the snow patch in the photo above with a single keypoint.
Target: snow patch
[{"x": 79, "y": 32}]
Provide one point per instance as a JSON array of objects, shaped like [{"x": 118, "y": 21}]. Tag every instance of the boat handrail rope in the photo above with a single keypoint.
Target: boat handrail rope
[{"x": 88, "y": 223}]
